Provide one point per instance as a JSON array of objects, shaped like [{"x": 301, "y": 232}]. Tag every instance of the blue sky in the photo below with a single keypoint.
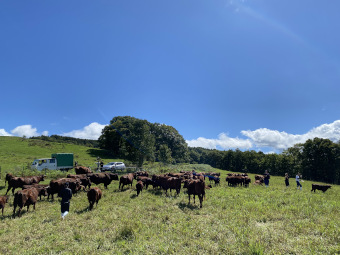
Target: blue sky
[{"x": 252, "y": 74}]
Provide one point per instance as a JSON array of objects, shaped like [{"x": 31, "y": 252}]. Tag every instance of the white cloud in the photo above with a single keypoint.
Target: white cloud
[
  {"x": 264, "y": 137},
  {"x": 26, "y": 130},
  {"x": 4, "y": 133},
  {"x": 223, "y": 142},
  {"x": 92, "y": 131},
  {"x": 45, "y": 133}
]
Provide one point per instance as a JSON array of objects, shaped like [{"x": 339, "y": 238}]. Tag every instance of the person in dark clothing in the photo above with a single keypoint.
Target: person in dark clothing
[
  {"x": 266, "y": 178},
  {"x": 287, "y": 179},
  {"x": 66, "y": 195}
]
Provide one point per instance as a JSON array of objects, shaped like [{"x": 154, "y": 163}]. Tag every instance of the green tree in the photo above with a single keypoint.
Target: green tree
[
  {"x": 165, "y": 154},
  {"x": 320, "y": 160},
  {"x": 130, "y": 138},
  {"x": 168, "y": 135}
]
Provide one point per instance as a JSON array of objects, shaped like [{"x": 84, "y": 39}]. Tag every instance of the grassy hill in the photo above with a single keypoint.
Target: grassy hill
[
  {"x": 18, "y": 153},
  {"x": 233, "y": 220}
]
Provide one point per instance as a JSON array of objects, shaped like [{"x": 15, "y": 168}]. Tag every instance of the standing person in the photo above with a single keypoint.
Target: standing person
[
  {"x": 298, "y": 181},
  {"x": 66, "y": 195},
  {"x": 286, "y": 179},
  {"x": 266, "y": 178}
]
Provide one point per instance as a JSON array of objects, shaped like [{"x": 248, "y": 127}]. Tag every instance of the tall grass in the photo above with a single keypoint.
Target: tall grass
[{"x": 233, "y": 220}]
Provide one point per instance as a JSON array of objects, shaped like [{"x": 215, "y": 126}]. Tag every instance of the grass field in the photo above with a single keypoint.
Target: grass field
[{"x": 233, "y": 220}]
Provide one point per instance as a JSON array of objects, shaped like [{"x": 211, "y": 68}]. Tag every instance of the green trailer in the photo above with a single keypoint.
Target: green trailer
[
  {"x": 64, "y": 160},
  {"x": 58, "y": 161}
]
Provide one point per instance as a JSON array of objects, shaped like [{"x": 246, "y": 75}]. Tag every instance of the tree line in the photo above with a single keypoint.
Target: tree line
[
  {"x": 317, "y": 159},
  {"x": 70, "y": 140}
]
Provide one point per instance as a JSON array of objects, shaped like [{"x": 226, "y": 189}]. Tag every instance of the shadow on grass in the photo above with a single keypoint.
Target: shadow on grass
[
  {"x": 86, "y": 209},
  {"x": 2, "y": 187},
  {"x": 22, "y": 213},
  {"x": 157, "y": 192},
  {"x": 184, "y": 206},
  {"x": 10, "y": 216},
  {"x": 133, "y": 196},
  {"x": 124, "y": 189},
  {"x": 103, "y": 154}
]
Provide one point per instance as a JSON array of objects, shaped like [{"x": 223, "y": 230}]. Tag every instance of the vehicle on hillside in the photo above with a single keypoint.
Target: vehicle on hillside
[
  {"x": 113, "y": 166},
  {"x": 58, "y": 161}
]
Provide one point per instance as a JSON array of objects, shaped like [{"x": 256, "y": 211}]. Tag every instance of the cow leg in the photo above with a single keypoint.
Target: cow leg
[
  {"x": 201, "y": 200},
  {"x": 2, "y": 211},
  {"x": 189, "y": 198},
  {"x": 8, "y": 189}
]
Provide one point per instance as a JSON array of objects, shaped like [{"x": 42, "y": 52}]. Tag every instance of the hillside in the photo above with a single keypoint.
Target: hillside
[{"x": 18, "y": 153}]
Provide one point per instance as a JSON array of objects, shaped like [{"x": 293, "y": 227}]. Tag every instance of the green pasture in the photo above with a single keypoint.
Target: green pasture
[
  {"x": 233, "y": 220},
  {"x": 17, "y": 154}
]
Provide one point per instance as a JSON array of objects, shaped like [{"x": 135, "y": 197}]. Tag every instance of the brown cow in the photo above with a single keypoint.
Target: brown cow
[
  {"x": 126, "y": 180},
  {"x": 3, "y": 201},
  {"x": 195, "y": 187},
  {"x": 56, "y": 186},
  {"x": 141, "y": 173},
  {"x": 41, "y": 188},
  {"x": 19, "y": 182},
  {"x": 258, "y": 182},
  {"x": 174, "y": 183},
  {"x": 8, "y": 177},
  {"x": 324, "y": 188},
  {"x": 259, "y": 177},
  {"x": 105, "y": 178},
  {"x": 139, "y": 187},
  {"x": 247, "y": 180},
  {"x": 235, "y": 179},
  {"x": 146, "y": 181},
  {"x": 85, "y": 180},
  {"x": 23, "y": 198},
  {"x": 94, "y": 195},
  {"x": 82, "y": 170}
]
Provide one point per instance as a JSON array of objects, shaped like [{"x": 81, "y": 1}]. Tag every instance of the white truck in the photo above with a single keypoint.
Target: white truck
[{"x": 58, "y": 161}]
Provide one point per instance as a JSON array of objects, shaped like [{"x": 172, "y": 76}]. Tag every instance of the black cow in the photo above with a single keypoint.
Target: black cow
[{"x": 324, "y": 188}]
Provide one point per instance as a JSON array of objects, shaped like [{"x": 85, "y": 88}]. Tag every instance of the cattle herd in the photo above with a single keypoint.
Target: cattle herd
[{"x": 83, "y": 179}]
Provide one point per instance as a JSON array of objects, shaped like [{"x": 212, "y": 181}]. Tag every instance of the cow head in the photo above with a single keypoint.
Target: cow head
[{"x": 186, "y": 183}]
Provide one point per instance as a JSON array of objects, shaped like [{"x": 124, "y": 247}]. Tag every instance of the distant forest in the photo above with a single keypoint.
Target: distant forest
[
  {"x": 71, "y": 140},
  {"x": 138, "y": 141},
  {"x": 317, "y": 159}
]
